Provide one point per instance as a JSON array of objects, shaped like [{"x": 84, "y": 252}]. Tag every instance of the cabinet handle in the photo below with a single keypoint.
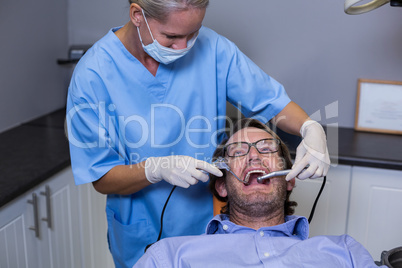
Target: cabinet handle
[
  {"x": 34, "y": 203},
  {"x": 48, "y": 218}
]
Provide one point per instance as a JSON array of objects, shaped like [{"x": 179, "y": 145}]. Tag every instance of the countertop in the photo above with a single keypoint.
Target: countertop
[
  {"x": 31, "y": 153},
  {"x": 356, "y": 148},
  {"x": 34, "y": 151}
]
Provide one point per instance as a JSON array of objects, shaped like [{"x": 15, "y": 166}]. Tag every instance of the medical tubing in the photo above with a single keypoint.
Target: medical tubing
[
  {"x": 163, "y": 212},
  {"x": 316, "y": 199}
]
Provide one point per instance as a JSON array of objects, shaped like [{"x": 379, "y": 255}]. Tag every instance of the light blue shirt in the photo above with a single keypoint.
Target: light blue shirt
[
  {"x": 118, "y": 113},
  {"x": 226, "y": 244}
]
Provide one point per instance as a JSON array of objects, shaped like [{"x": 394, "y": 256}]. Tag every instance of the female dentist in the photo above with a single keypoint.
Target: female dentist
[{"x": 146, "y": 108}]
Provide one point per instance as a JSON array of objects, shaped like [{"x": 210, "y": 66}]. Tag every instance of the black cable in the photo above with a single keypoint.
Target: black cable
[
  {"x": 316, "y": 199},
  {"x": 163, "y": 212}
]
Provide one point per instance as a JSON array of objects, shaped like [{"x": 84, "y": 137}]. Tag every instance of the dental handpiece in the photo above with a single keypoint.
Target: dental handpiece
[
  {"x": 276, "y": 174},
  {"x": 273, "y": 174}
]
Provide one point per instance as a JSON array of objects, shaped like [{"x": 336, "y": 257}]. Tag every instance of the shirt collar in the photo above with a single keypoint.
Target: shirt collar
[{"x": 293, "y": 226}]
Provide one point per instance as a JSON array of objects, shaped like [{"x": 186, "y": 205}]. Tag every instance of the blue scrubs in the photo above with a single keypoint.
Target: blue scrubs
[{"x": 118, "y": 113}]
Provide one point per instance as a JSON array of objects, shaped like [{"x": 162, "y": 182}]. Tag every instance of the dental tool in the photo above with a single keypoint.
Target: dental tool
[
  {"x": 220, "y": 163},
  {"x": 276, "y": 174},
  {"x": 273, "y": 174}
]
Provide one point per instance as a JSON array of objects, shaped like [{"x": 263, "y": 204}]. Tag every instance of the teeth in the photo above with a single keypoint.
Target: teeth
[{"x": 253, "y": 171}]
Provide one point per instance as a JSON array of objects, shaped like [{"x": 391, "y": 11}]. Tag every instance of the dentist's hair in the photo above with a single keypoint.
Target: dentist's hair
[
  {"x": 159, "y": 10},
  {"x": 283, "y": 153}
]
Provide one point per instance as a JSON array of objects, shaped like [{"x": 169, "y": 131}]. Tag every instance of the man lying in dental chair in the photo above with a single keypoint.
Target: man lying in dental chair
[{"x": 256, "y": 227}]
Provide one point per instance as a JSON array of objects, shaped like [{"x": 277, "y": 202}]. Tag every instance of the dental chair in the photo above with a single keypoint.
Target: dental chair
[{"x": 391, "y": 258}]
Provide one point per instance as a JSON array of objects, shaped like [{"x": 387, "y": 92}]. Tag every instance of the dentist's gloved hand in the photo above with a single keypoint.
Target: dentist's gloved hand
[
  {"x": 178, "y": 170},
  {"x": 312, "y": 151}
]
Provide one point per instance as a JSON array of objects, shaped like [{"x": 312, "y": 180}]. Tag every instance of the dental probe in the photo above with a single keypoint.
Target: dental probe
[
  {"x": 220, "y": 163},
  {"x": 276, "y": 174}
]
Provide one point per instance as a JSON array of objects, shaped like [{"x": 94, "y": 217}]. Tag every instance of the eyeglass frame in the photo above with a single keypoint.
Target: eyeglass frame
[{"x": 251, "y": 144}]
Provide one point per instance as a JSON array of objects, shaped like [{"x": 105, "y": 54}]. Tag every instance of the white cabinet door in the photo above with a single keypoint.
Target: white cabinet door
[
  {"x": 76, "y": 236},
  {"x": 375, "y": 217},
  {"x": 331, "y": 211},
  {"x": 94, "y": 228},
  {"x": 62, "y": 234},
  {"x": 13, "y": 244},
  {"x": 57, "y": 245}
]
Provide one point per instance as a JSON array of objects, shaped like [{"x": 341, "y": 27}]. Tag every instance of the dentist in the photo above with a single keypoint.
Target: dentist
[{"x": 146, "y": 108}]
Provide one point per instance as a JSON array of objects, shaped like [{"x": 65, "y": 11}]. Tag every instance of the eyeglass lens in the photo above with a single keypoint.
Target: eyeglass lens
[{"x": 263, "y": 146}]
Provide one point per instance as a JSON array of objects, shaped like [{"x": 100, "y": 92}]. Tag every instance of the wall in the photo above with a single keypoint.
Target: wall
[
  {"x": 89, "y": 20},
  {"x": 311, "y": 46},
  {"x": 34, "y": 35}
]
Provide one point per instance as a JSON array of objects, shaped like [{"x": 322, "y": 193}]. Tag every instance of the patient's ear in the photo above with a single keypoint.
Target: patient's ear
[
  {"x": 220, "y": 187},
  {"x": 291, "y": 184}
]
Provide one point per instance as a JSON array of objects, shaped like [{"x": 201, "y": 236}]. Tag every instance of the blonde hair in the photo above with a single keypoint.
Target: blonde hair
[{"x": 159, "y": 10}]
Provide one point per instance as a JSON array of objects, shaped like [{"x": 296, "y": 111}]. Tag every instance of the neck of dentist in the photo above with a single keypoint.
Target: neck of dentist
[{"x": 128, "y": 35}]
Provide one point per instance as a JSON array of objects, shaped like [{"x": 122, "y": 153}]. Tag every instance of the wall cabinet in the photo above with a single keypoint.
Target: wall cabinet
[{"x": 49, "y": 227}]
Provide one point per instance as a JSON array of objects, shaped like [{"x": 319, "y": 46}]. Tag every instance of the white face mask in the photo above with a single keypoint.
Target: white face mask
[{"x": 163, "y": 54}]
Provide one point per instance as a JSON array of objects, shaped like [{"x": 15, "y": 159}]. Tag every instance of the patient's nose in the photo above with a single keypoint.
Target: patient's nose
[{"x": 254, "y": 156}]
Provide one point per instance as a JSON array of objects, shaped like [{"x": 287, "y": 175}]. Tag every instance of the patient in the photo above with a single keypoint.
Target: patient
[{"x": 256, "y": 227}]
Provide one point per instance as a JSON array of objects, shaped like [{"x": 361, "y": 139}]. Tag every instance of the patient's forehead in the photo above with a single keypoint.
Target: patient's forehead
[{"x": 249, "y": 134}]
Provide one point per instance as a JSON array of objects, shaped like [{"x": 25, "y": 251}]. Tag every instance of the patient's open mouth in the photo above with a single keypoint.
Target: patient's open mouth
[{"x": 252, "y": 175}]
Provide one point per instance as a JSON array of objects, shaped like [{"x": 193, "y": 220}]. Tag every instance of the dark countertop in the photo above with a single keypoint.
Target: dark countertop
[
  {"x": 31, "y": 153},
  {"x": 34, "y": 151},
  {"x": 349, "y": 147}
]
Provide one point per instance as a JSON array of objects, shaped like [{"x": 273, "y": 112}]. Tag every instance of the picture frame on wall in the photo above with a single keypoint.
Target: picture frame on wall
[{"x": 379, "y": 106}]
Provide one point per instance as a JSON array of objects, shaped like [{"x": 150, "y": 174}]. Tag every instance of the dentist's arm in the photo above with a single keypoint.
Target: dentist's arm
[
  {"x": 312, "y": 150},
  {"x": 179, "y": 170}
]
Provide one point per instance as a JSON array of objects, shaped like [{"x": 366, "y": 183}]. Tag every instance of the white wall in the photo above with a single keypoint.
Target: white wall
[
  {"x": 311, "y": 46},
  {"x": 89, "y": 20},
  {"x": 33, "y": 36}
]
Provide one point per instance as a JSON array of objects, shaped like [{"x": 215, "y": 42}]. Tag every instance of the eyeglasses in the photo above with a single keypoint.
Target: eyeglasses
[{"x": 264, "y": 146}]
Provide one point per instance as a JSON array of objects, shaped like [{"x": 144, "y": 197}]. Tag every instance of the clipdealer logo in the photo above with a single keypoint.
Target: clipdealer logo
[{"x": 108, "y": 136}]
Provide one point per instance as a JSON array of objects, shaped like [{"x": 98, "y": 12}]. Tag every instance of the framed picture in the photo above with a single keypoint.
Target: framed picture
[{"x": 379, "y": 106}]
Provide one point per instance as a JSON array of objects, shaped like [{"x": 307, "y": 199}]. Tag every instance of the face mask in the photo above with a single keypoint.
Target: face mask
[{"x": 163, "y": 54}]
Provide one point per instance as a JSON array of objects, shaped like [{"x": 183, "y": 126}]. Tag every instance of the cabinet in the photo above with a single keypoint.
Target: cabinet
[
  {"x": 95, "y": 248},
  {"x": 12, "y": 236},
  {"x": 375, "y": 218},
  {"x": 362, "y": 202},
  {"x": 67, "y": 228},
  {"x": 40, "y": 228},
  {"x": 331, "y": 212}
]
